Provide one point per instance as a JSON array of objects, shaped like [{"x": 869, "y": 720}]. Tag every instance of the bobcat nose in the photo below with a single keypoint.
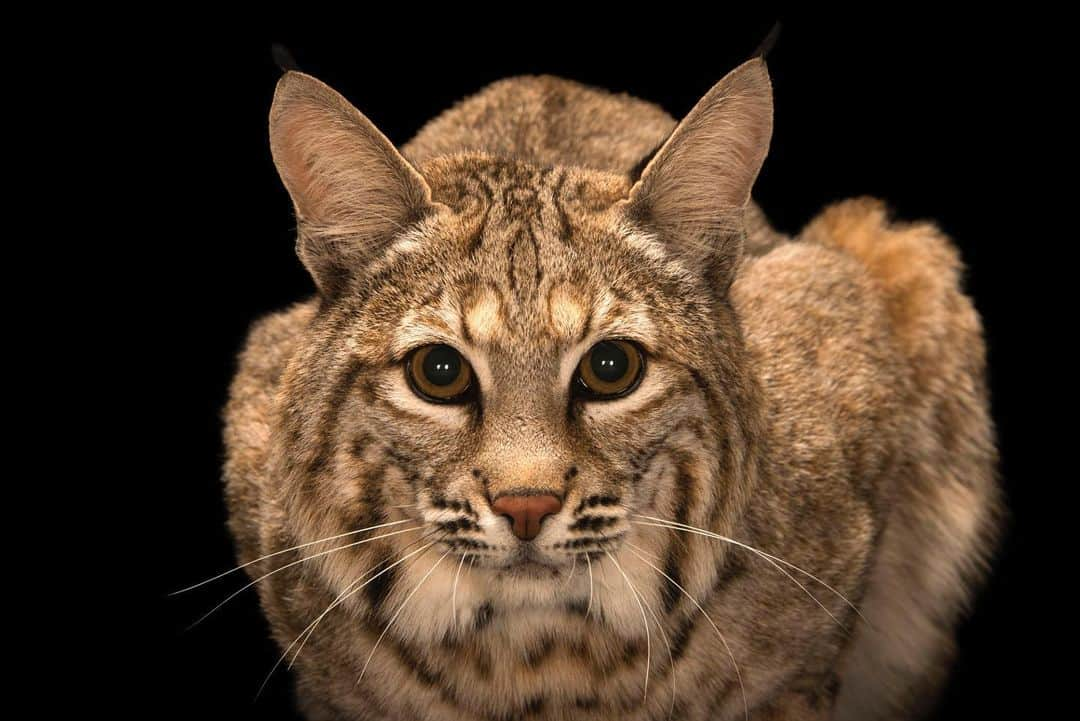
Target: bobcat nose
[{"x": 526, "y": 513}]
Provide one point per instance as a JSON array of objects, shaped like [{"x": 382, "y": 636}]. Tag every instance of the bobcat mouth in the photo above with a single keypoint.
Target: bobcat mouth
[
  {"x": 534, "y": 569},
  {"x": 528, "y": 561}
]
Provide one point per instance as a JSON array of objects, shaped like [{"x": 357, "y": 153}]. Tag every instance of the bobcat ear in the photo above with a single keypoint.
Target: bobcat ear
[
  {"x": 351, "y": 189},
  {"x": 695, "y": 188}
]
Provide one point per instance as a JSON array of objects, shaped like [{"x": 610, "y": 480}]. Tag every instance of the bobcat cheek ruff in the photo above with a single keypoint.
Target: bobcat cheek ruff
[{"x": 571, "y": 432}]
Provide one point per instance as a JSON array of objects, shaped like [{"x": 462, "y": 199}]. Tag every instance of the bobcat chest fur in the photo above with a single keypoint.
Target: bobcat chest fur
[{"x": 569, "y": 432}]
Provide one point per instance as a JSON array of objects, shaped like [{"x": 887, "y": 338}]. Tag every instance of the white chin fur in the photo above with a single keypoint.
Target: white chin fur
[{"x": 520, "y": 599}]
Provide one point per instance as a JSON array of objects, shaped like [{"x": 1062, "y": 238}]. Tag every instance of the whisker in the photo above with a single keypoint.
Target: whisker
[
  {"x": 767, "y": 560},
  {"x": 293, "y": 563},
  {"x": 671, "y": 656},
  {"x": 642, "y": 551},
  {"x": 738, "y": 673},
  {"x": 286, "y": 550},
  {"x": 588, "y": 608},
  {"x": 573, "y": 567},
  {"x": 457, "y": 577},
  {"x": 398, "y": 613},
  {"x": 342, "y": 596},
  {"x": 310, "y": 629},
  {"x": 644, "y": 618},
  {"x": 767, "y": 556}
]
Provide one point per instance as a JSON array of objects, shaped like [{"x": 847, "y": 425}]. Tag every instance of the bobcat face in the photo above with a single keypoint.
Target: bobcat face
[
  {"x": 510, "y": 360},
  {"x": 523, "y": 310},
  {"x": 470, "y": 360}
]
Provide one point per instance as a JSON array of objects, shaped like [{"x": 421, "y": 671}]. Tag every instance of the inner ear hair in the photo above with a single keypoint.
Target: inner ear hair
[
  {"x": 694, "y": 189},
  {"x": 352, "y": 191}
]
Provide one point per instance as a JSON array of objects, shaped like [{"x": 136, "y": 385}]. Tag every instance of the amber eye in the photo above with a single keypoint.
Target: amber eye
[
  {"x": 610, "y": 369},
  {"x": 439, "y": 374}
]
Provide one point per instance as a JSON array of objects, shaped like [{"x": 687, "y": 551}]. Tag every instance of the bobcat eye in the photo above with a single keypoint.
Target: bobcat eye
[
  {"x": 610, "y": 369},
  {"x": 439, "y": 374}
]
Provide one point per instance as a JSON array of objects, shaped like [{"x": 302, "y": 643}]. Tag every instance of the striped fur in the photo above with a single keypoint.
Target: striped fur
[{"x": 822, "y": 401}]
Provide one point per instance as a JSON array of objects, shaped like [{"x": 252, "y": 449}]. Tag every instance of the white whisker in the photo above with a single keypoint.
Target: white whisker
[
  {"x": 286, "y": 550},
  {"x": 457, "y": 577},
  {"x": 398, "y": 613},
  {"x": 588, "y": 608},
  {"x": 644, "y": 618},
  {"x": 573, "y": 567},
  {"x": 767, "y": 559},
  {"x": 738, "y": 674},
  {"x": 343, "y": 595},
  {"x": 671, "y": 656},
  {"x": 773, "y": 560},
  {"x": 310, "y": 629},
  {"x": 293, "y": 563}
]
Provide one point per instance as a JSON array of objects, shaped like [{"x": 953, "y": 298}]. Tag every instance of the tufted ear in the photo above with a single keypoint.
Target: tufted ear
[
  {"x": 351, "y": 189},
  {"x": 694, "y": 190}
]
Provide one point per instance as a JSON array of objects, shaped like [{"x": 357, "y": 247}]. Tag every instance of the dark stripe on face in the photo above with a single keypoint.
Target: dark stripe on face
[
  {"x": 379, "y": 588},
  {"x": 325, "y": 433},
  {"x": 671, "y": 397},
  {"x": 597, "y": 500},
  {"x": 642, "y": 459},
  {"x": 565, "y": 229},
  {"x": 594, "y": 523},
  {"x": 702, "y": 384},
  {"x": 734, "y": 568},
  {"x": 360, "y": 444},
  {"x": 672, "y": 595},
  {"x": 423, "y": 671},
  {"x": 724, "y": 469},
  {"x": 521, "y": 284},
  {"x": 676, "y": 546},
  {"x": 372, "y": 512},
  {"x": 680, "y": 639},
  {"x": 406, "y": 463},
  {"x": 477, "y": 241},
  {"x": 688, "y": 627}
]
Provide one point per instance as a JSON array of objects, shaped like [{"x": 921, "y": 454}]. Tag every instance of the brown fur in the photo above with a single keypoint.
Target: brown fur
[{"x": 820, "y": 398}]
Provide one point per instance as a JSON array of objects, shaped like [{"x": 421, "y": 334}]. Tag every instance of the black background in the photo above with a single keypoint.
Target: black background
[{"x": 912, "y": 109}]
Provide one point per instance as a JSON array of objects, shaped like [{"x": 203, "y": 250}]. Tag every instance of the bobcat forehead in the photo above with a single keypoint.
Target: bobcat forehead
[
  {"x": 434, "y": 322},
  {"x": 482, "y": 316},
  {"x": 567, "y": 311}
]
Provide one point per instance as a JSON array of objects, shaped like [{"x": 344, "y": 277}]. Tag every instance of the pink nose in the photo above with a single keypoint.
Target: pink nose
[{"x": 526, "y": 513}]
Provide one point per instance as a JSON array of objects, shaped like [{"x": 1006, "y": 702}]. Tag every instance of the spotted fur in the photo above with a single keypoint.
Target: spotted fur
[{"x": 819, "y": 398}]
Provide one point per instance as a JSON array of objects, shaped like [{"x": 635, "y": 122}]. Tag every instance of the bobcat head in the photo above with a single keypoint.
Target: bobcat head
[{"x": 513, "y": 356}]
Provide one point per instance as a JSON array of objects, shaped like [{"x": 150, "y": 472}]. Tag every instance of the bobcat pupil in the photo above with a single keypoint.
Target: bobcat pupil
[
  {"x": 609, "y": 362},
  {"x": 442, "y": 365}
]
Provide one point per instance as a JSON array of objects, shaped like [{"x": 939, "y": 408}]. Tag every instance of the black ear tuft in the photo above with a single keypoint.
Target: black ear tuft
[
  {"x": 283, "y": 58},
  {"x": 767, "y": 44}
]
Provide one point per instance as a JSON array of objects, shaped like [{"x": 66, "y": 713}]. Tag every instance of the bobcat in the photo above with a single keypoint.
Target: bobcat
[{"x": 569, "y": 432}]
